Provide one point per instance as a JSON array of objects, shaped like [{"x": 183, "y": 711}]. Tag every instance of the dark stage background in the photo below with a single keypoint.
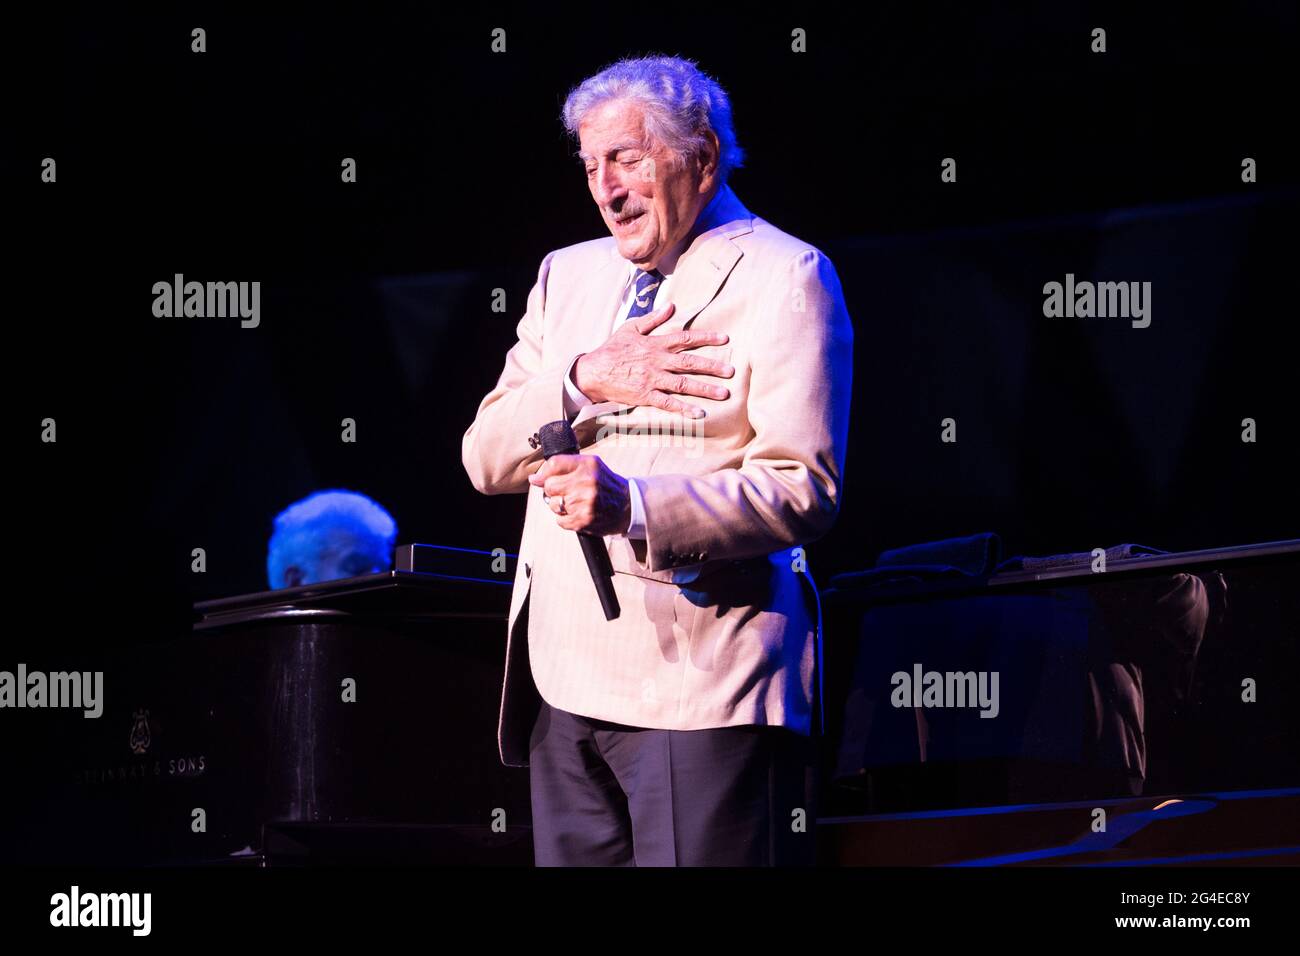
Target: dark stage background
[{"x": 176, "y": 434}]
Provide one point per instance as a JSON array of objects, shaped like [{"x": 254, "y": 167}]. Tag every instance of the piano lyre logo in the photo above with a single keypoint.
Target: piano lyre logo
[{"x": 140, "y": 738}]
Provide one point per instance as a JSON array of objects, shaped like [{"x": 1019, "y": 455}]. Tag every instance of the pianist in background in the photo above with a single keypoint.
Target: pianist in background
[
  {"x": 703, "y": 357},
  {"x": 330, "y": 535}
]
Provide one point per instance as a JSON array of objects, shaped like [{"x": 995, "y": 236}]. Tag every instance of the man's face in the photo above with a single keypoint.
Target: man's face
[{"x": 648, "y": 202}]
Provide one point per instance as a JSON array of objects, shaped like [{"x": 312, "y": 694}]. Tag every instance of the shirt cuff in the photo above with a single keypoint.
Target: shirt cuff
[
  {"x": 637, "y": 528},
  {"x": 574, "y": 400}
]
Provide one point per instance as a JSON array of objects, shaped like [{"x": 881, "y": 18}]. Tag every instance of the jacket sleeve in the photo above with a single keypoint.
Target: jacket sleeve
[
  {"x": 496, "y": 451},
  {"x": 787, "y": 489}
]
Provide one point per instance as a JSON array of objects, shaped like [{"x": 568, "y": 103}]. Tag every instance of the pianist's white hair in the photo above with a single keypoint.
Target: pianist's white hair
[{"x": 307, "y": 528}]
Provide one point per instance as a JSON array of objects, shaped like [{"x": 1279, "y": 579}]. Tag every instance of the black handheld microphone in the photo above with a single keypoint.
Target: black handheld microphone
[{"x": 557, "y": 438}]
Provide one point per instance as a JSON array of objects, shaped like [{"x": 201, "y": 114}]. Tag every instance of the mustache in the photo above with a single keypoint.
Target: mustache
[{"x": 625, "y": 214}]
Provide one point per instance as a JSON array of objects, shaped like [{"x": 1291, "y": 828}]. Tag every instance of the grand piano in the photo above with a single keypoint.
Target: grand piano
[{"x": 351, "y": 720}]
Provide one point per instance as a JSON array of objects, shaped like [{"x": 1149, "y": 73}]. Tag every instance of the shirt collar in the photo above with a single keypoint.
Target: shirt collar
[{"x": 703, "y": 223}]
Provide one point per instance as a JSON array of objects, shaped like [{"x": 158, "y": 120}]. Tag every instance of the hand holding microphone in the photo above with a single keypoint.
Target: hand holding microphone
[{"x": 587, "y": 497}]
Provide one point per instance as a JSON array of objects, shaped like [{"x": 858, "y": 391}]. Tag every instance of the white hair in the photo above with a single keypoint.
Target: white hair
[
  {"x": 309, "y": 527},
  {"x": 681, "y": 105}
]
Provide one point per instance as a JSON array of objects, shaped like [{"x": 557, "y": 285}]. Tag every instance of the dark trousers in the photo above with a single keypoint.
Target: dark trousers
[{"x": 606, "y": 794}]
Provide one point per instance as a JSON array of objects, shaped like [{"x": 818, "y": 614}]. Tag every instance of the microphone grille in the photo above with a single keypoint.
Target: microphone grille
[{"x": 557, "y": 438}]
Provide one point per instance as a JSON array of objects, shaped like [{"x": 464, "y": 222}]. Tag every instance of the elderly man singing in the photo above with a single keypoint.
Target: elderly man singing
[{"x": 704, "y": 359}]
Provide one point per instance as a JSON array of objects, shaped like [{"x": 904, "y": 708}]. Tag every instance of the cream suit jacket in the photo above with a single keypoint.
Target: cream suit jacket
[{"x": 719, "y": 617}]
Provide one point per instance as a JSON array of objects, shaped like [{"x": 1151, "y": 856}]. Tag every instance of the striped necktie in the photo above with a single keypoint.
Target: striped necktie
[{"x": 643, "y": 302}]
